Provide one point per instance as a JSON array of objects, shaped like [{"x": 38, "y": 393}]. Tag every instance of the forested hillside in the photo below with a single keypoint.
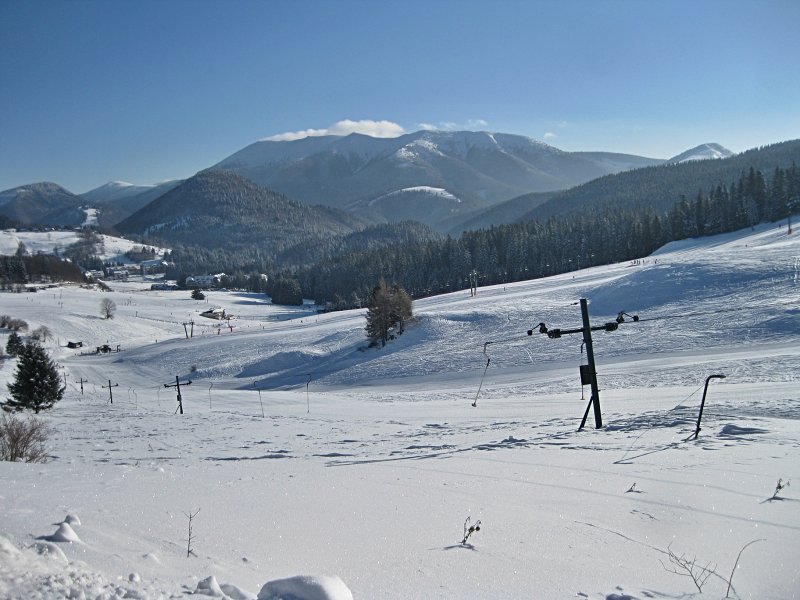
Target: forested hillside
[
  {"x": 192, "y": 259},
  {"x": 221, "y": 210},
  {"x": 42, "y": 203},
  {"x": 219, "y": 222},
  {"x": 659, "y": 187},
  {"x": 19, "y": 270},
  {"x": 534, "y": 249}
]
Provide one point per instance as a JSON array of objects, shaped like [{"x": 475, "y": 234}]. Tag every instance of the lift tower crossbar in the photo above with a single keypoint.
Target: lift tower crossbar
[
  {"x": 591, "y": 371},
  {"x": 177, "y": 385}
]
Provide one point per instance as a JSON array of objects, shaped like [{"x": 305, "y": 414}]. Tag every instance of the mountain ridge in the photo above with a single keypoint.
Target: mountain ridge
[
  {"x": 481, "y": 168},
  {"x": 373, "y": 177}
]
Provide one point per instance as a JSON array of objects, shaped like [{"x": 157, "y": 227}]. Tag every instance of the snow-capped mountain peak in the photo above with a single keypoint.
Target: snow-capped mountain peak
[{"x": 703, "y": 152}]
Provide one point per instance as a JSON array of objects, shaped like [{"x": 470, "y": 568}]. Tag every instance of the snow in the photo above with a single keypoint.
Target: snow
[
  {"x": 35, "y": 241},
  {"x": 115, "y": 190},
  {"x": 47, "y": 242},
  {"x": 703, "y": 152},
  {"x": 91, "y": 217},
  {"x": 305, "y": 588},
  {"x": 419, "y": 189},
  {"x": 324, "y": 469}
]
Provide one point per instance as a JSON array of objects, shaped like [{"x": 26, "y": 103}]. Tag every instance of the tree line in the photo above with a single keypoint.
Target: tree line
[
  {"x": 534, "y": 249},
  {"x": 19, "y": 269},
  {"x": 343, "y": 275}
]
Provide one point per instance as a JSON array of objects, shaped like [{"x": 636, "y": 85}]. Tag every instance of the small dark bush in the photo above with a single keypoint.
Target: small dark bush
[
  {"x": 17, "y": 325},
  {"x": 23, "y": 439}
]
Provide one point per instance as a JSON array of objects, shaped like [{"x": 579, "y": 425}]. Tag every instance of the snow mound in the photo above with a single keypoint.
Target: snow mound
[
  {"x": 64, "y": 533},
  {"x": 733, "y": 430},
  {"x": 51, "y": 551},
  {"x": 8, "y": 550},
  {"x": 303, "y": 587},
  {"x": 210, "y": 587},
  {"x": 72, "y": 520},
  {"x": 43, "y": 572}
]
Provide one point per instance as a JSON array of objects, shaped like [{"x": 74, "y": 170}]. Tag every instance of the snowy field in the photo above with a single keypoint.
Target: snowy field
[
  {"x": 46, "y": 242},
  {"x": 317, "y": 468}
]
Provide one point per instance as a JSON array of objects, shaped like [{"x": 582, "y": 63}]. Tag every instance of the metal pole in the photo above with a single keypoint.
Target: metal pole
[
  {"x": 177, "y": 386},
  {"x": 180, "y": 400},
  {"x": 110, "y": 395},
  {"x": 587, "y": 339},
  {"x": 703, "y": 402}
]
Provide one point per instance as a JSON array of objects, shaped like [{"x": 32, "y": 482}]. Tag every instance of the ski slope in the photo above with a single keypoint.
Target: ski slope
[{"x": 325, "y": 469}]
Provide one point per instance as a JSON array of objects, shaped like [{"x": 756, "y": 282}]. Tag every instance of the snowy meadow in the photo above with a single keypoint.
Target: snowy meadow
[{"x": 310, "y": 466}]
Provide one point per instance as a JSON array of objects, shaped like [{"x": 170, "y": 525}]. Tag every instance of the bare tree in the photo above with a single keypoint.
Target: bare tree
[
  {"x": 686, "y": 567},
  {"x": 191, "y": 538},
  {"x": 23, "y": 439},
  {"x": 107, "y": 308},
  {"x": 42, "y": 333}
]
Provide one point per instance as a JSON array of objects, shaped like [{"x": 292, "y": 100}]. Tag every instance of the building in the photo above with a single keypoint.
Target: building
[{"x": 204, "y": 280}]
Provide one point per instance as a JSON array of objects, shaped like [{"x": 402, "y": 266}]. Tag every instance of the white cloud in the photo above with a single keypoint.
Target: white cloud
[
  {"x": 470, "y": 125},
  {"x": 549, "y": 135},
  {"x": 295, "y": 135},
  {"x": 380, "y": 129}
]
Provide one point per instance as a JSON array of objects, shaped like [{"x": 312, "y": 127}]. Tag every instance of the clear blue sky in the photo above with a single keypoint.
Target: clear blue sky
[{"x": 144, "y": 91}]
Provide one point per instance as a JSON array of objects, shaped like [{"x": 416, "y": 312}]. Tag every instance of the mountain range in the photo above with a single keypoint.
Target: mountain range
[
  {"x": 443, "y": 179},
  {"x": 43, "y": 203},
  {"x": 434, "y": 175}
]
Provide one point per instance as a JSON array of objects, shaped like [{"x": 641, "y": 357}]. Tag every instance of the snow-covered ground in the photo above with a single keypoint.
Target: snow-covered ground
[
  {"x": 47, "y": 242},
  {"x": 316, "y": 468}
]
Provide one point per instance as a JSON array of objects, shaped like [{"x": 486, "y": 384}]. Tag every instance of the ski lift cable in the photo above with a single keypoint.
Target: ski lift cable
[{"x": 712, "y": 312}]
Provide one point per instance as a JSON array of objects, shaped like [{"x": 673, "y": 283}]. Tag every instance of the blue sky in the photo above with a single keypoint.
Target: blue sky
[{"x": 144, "y": 91}]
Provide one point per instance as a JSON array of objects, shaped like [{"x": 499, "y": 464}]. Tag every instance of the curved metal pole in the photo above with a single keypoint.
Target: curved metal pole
[{"x": 703, "y": 402}]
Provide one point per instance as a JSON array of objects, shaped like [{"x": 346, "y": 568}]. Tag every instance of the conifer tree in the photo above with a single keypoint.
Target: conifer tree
[
  {"x": 387, "y": 308},
  {"x": 378, "y": 314},
  {"x": 37, "y": 384},
  {"x": 14, "y": 345}
]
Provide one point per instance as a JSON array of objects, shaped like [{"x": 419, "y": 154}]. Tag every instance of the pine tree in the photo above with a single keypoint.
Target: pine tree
[
  {"x": 387, "y": 308},
  {"x": 401, "y": 307},
  {"x": 285, "y": 290},
  {"x": 14, "y": 345},
  {"x": 378, "y": 314},
  {"x": 37, "y": 384}
]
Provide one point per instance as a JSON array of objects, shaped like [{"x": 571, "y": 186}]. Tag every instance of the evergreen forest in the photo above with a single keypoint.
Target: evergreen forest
[{"x": 529, "y": 249}]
